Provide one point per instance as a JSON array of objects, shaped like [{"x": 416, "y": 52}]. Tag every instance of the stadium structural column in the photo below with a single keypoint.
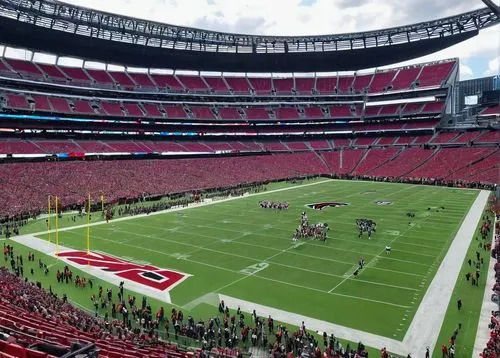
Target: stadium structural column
[
  {"x": 88, "y": 226},
  {"x": 48, "y": 218},
  {"x": 57, "y": 227}
]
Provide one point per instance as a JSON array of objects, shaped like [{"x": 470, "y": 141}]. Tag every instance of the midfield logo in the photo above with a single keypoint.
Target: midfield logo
[
  {"x": 383, "y": 202},
  {"x": 330, "y": 204},
  {"x": 137, "y": 277}
]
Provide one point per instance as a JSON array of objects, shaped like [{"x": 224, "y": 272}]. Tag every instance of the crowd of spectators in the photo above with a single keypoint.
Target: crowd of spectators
[
  {"x": 135, "y": 321},
  {"x": 424, "y": 181},
  {"x": 32, "y": 298},
  {"x": 492, "y": 349},
  {"x": 26, "y": 186},
  {"x": 165, "y": 203}
]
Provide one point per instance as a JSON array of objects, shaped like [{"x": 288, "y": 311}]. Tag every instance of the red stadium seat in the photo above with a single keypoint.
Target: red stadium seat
[{"x": 35, "y": 354}]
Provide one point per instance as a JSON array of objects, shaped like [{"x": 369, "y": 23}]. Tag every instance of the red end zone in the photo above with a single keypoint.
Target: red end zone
[{"x": 138, "y": 277}]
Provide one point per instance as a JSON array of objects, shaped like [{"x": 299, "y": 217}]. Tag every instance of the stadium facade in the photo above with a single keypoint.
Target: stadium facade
[{"x": 363, "y": 124}]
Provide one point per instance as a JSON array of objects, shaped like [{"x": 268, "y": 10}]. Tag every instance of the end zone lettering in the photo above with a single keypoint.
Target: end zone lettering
[{"x": 153, "y": 277}]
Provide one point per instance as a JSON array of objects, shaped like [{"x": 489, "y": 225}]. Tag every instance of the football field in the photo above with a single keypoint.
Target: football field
[{"x": 237, "y": 249}]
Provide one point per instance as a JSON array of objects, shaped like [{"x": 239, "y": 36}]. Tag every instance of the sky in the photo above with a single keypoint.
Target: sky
[{"x": 479, "y": 56}]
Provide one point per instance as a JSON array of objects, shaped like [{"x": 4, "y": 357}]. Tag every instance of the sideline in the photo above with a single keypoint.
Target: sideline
[
  {"x": 425, "y": 327},
  {"x": 353, "y": 335},
  {"x": 427, "y": 322},
  {"x": 483, "y": 332},
  {"x": 174, "y": 209}
]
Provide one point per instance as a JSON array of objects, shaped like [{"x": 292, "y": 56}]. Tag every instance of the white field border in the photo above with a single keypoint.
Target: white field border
[
  {"x": 111, "y": 277},
  {"x": 426, "y": 325},
  {"x": 423, "y": 330},
  {"x": 181, "y": 208}
]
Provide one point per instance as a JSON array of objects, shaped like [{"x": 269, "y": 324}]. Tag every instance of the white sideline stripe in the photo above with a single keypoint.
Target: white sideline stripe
[
  {"x": 354, "y": 335},
  {"x": 427, "y": 322},
  {"x": 483, "y": 332},
  {"x": 195, "y": 205},
  {"x": 425, "y": 327},
  {"x": 50, "y": 250},
  {"x": 35, "y": 239}
]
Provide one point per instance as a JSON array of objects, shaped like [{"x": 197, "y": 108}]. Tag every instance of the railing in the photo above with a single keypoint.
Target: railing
[{"x": 97, "y": 24}]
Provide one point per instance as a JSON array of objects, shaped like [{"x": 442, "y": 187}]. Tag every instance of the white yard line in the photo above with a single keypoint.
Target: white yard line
[
  {"x": 273, "y": 237},
  {"x": 206, "y": 247},
  {"x": 279, "y": 252},
  {"x": 483, "y": 332},
  {"x": 49, "y": 249},
  {"x": 379, "y": 256},
  {"x": 354, "y": 335},
  {"x": 425, "y": 327},
  {"x": 195, "y": 205},
  {"x": 427, "y": 322},
  {"x": 246, "y": 276}
]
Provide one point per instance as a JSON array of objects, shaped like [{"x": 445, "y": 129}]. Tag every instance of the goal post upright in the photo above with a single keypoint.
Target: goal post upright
[
  {"x": 88, "y": 226},
  {"x": 48, "y": 218},
  {"x": 57, "y": 226}
]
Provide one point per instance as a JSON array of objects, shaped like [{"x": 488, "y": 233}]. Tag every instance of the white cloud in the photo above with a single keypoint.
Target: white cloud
[
  {"x": 465, "y": 72},
  {"x": 299, "y": 17},
  {"x": 286, "y": 17},
  {"x": 493, "y": 67}
]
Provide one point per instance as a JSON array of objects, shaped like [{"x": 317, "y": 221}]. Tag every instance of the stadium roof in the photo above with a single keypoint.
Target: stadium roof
[{"x": 67, "y": 30}]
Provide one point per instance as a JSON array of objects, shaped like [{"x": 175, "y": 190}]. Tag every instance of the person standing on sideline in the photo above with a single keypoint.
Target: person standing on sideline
[
  {"x": 459, "y": 304},
  {"x": 427, "y": 352},
  {"x": 444, "y": 350}
]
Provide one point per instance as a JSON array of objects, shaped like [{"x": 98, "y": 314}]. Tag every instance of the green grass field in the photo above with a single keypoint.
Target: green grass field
[
  {"x": 472, "y": 297},
  {"x": 215, "y": 243}
]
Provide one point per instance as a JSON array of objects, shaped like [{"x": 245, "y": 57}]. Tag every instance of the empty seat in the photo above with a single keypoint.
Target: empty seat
[
  {"x": 133, "y": 109},
  {"x": 304, "y": 85},
  {"x": 238, "y": 84},
  {"x": 193, "y": 83},
  {"x": 261, "y": 85},
  {"x": 167, "y": 81},
  {"x": 76, "y": 74},
  {"x": 100, "y": 76},
  {"x": 283, "y": 85},
  {"x": 142, "y": 79},
  {"x": 53, "y": 72},
  {"x": 325, "y": 85},
  {"x": 257, "y": 113},
  {"x": 17, "y": 101},
  {"x": 112, "y": 108},
  {"x": 122, "y": 79},
  {"x": 216, "y": 84}
]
